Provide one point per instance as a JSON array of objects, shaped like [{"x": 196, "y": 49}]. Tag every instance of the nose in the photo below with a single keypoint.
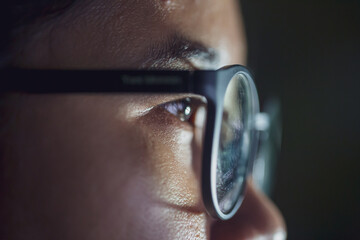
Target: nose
[{"x": 258, "y": 218}]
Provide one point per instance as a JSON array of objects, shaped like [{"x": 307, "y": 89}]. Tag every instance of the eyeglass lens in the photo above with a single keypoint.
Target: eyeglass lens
[{"x": 234, "y": 144}]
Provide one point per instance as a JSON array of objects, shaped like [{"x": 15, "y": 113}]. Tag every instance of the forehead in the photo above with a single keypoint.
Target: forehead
[{"x": 143, "y": 34}]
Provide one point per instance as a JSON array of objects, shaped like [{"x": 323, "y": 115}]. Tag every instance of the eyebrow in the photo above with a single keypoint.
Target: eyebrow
[{"x": 178, "y": 47}]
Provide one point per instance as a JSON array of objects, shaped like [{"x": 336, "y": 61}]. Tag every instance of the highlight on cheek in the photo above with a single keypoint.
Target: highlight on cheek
[
  {"x": 172, "y": 159},
  {"x": 170, "y": 127}
]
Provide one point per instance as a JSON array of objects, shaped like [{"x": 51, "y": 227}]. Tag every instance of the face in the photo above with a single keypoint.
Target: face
[{"x": 96, "y": 166}]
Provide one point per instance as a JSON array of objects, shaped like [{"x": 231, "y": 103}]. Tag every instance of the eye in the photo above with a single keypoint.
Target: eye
[
  {"x": 184, "y": 109},
  {"x": 180, "y": 108}
]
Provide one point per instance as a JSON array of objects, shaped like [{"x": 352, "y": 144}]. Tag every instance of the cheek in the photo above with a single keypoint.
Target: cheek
[
  {"x": 169, "y": 195},
  {"x": 172, "y": 159},
  {"x": 86, "y": 173}
]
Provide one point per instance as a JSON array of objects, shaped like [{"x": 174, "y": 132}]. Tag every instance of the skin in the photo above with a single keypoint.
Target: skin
[{"x": 96, "y": 166}]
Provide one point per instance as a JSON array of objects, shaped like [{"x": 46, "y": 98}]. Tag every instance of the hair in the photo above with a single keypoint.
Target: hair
[{"x": 17, "y": 15}]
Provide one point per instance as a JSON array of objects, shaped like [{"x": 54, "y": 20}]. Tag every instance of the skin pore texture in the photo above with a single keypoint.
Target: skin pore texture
[{"x": 96, "y": 166}]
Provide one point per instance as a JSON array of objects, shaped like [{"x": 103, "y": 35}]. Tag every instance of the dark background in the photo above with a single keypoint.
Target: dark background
[{"x": 308, "y": 54}]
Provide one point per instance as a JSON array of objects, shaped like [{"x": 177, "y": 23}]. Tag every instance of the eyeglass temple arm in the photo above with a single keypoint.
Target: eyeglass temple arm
[{"x": 58, "y": 81}]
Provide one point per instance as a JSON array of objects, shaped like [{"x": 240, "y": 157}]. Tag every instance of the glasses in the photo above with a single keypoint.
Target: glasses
[{"x": 230, "y": 139}]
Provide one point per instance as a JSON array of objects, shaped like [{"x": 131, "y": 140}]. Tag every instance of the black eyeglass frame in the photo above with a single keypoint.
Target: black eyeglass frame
[{"x": 209, "y": 83}]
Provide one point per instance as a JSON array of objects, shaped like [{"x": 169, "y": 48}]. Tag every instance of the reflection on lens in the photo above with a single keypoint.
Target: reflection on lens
[{"x": 233, "y": 152}]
